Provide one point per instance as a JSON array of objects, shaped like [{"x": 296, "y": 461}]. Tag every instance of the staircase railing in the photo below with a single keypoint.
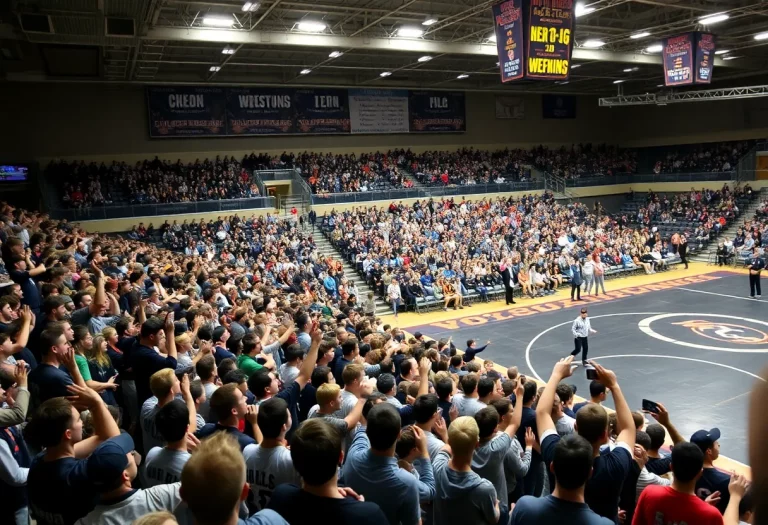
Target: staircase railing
[
  {"x": 746, "y": 169},
  {"x": 300, "y": 187}
]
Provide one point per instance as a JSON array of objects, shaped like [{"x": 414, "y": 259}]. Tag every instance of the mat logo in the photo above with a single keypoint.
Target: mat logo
[{"x": 726, "y": 332}]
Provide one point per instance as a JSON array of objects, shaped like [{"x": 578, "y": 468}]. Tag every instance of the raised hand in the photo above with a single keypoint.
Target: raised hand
[
  {"x": 421, "y": 440},
  {"x": 20, "y": 374},
  {"x": 605, "y": 376},
  {"x": 83, "y": 397},
  {"x": 563, "y": 368},
  {"x": 662, "y": 416},
  {"x": 251, "y": 414},
  {"x": 530, "y": 437}
]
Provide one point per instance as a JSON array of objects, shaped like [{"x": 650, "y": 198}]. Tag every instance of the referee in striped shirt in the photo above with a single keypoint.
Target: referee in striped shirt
[{"x": 581, "y": 330}]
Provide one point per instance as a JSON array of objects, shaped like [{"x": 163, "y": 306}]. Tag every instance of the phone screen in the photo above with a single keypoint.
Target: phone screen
[
  {"x": 650, "y": 406},
  {"x": 591, "y": 372}
]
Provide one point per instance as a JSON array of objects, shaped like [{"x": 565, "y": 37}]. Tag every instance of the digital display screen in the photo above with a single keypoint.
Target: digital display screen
[{"x": 14, "y": 173}]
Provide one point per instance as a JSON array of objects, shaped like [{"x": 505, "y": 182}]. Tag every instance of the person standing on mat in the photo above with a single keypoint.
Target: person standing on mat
[
  {"x": 581, "y": 329},
  {"x": 507, "y": 276},
  {"x": 682, "y": 250},
  {"x": 757, "y": 266},
  {"x": 576, "y": 279}
]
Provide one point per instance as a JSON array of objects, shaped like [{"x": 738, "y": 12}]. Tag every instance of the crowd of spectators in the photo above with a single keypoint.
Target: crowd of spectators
[
  {"x": 151, "y": 181},
  {"x": 140, "y": 383},
  {"x": 712, "y": 157},
  {"x": 585, "y": 160},
  {"x": 351, "y": 173},
  {"x": 468, "y": 166}
]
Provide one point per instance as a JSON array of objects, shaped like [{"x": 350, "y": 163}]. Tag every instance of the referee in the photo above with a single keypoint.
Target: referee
[
  {"x": 581, "y": 330},
  {"x": 757, "y": 266}
]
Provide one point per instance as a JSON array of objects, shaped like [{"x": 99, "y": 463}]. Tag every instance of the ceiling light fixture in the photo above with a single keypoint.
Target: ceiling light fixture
[
  {"x": 227, "y": 51},
  {"x": 425, "y": 58},
  {"x": 641, "y": 34},
  {"x": 385, "y": 73},
  {"x": 218, "y": 21},
  {"x": 656, "y": 48},
  {"x": 574, "y": 66},
  {"x": 462, "y": 76},
  {"x": 593, "y": 43},
  {"x": 214, "y": 69},
  {"x": 410, "y": 32},
  {"x": 335, "y": 54},
  {"x": 618, "y": 81},
  {"x": 305, "y": 72},
  {"x": 730, "y": 58},
  {"x": 311, "y": 26},
  {"x": 761, "y": 36},
  {"x": 582, "y": 10},
  {"x": 713, "y": 19},
  {"x": 722, "y": 51},
  {"x": 430, "y": 20},
  {"x": 631, "y": 69},
  {"x": 492, "y": 38},
  {"x": 250, "y": 7}
]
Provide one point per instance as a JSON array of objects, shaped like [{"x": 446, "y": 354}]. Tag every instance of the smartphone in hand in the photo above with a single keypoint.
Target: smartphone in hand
[
  {"x": 591, "y": 372},
  {"x": 651, "y": 406}
]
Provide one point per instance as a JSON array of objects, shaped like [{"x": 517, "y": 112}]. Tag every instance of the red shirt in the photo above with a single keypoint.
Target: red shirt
[{"x": 666, "y": 506}]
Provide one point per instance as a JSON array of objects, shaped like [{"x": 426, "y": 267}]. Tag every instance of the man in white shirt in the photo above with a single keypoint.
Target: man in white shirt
[
  {"x": 581, "y": 329},
  {"x": 393, "y": 295}
]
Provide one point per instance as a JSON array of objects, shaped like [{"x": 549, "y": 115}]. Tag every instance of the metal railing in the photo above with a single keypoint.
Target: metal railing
[
  {"x": 747, "y": 166},
  {"x": 270, "y": 175},
  {"x": 150, "y": 210},
  {"x": 638, "y": 178},
  {"x": 432, "y": 191}
]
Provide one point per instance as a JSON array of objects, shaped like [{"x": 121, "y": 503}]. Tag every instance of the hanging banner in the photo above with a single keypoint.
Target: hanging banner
[
  {"x": 378, "y": 110},
  {"x": 549, "y": 27},
  {"x": 705, "y": 57},
  {"x": 558, "y": 106},
  {"x": 508, "y": 26},
  {"x": 182, "y": 111},
  {"x": 678, "y": 60},
  {"x": 437, "y": 111},
  {"x": 510, "y": 108},
  {"x": 322, "y": 110},
  {"x": 260, "y": 111}
]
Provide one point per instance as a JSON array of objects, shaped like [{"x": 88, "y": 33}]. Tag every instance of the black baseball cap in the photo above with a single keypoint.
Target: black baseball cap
[
  {"x": 705, "y": 438},
  {"x": 107, "y": 463}
]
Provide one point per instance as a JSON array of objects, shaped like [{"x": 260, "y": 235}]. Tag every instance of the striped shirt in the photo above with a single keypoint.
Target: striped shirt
[{"x": 581, "y": 327}]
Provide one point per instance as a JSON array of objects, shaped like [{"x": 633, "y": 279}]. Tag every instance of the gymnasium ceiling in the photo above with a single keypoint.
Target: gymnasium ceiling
[{"x": 166, "y": 41}]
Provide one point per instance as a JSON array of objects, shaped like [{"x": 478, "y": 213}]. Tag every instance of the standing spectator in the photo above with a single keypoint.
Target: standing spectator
[
  {"x": 462, "y": 496},
  {"x": 678, "y": 503},
  {"x": 21, "y": 270},
  {"x": 165, "y": 387},
  {"x": 712, "y": 480},
  {"x": 145, "y": 360},
  {"x": 756, "y": 267},
  {"x": 15, "y": 459},
  {"x": 316, "y": 450},
  {"x": 164, "y": 465},
  {"x": 228, "y": 407},
  {"x": 49, "y": 380}
]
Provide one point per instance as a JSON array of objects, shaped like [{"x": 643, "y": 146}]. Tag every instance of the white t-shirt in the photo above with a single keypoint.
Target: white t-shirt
[
  {"x": 141, "y": 502},
  {"x": 265, "y": 469}
]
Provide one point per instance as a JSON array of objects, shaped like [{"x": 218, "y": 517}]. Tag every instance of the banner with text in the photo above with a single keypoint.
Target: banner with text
[
  {"x": 550, "y": 25},
  {"x": 260, "y": 111},
  {"x": 322, "y": 110},
  {"x": 678, "y": 60},
  {"x": 437, "y": 111},
  {"x": 378, "y": 110},
  {"x": 186, "y": 111},
  {"x": 705, "y": 57},
  {"x": 508, "y": 27}
]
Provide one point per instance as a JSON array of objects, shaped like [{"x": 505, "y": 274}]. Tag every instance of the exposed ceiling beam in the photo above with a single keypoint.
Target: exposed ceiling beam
[
  {"x": 383, "y": 17},
  {"x": 303, "y": 40}
]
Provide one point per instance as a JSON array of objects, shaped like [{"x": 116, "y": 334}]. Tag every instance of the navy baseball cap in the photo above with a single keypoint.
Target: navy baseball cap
[
  {"x": 705, "y": 438},
  {"x": 107, "y": 463}
]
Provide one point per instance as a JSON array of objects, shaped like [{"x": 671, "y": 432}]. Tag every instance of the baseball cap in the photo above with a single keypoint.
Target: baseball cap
[
  {"x": 341, "y": 317},
  {"x": 107, "y": 463},
  {"x": 67, "y": 299},
  {"x": 417, "y": 335},
  {"x": 705, "y": 438}
]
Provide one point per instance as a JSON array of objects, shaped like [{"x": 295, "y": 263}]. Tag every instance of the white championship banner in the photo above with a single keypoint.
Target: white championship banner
[{"x": 378, "y": 110}]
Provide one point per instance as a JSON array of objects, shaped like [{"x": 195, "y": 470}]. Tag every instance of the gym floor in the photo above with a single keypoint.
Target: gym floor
[{"x": 690, "y": 339}]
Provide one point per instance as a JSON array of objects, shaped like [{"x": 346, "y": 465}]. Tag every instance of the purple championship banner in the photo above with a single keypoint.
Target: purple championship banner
[
  {"x": 550, "y": 39},
  {"x": 181, "y": 111},
  {"x": 705, "y": 57},
  {"x": 678, "y": 60},
  {"x": 508, "y": 26}
]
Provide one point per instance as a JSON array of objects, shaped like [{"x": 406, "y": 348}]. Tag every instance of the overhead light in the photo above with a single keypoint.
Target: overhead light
[
  {"x": 630, "y": 69},
  {"x": 593, "y": 43},
  {"x": 582, "y": 10},
  {"x": 492, "y": 38},
  {"x": 713, "y": 19},
  {"x": 218, "y": 21},
  {"x": 410, "y": 32},
  {"x": 618, "y": 81},
  {"x": 730, "y": 58},
  {"x": 462, "y": 76},
  {"x": 227, "y": 51},
  {"x": 656, "y": 48},
  {"x": 425, "y": 58},
  {"x": 429, "y": 21},
  {"x": 722, "y": 51},
  {"x": 641, "y": 34},
  {"x": 305, "y": 72},
  {"x": 574, "y": 66},
  {"x": 335, "y": 54},
  {"x": 761, "y": 36},
  {"x": 660, "y": 85},
  {"x": 497, "y": 64},
  {"x": 311, "y": 26},
  {"x": 215, "y": 69},
  {"x": 250, "y": 7},
  {"x": 385, "y": 73}
]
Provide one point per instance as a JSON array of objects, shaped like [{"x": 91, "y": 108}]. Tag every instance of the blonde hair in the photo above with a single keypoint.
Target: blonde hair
[
  {"x": 162, "y": 382},
  {"x": 95, "y": 354},
  {"x": 182, "y": 339},
  {"x": 162, "y": 517},
  {"x": 463, "y": 435},
  {"x": 108, "y": 332},
  {"x": 327, "y": 393},
  {"x": 213, "y": 479}
]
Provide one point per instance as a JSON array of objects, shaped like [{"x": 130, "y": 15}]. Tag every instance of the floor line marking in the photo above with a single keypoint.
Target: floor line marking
[
  {"x": 681, "y": 358},
  {"x": 724, "y": 295},
  {"x": 732, "y": 398}
]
